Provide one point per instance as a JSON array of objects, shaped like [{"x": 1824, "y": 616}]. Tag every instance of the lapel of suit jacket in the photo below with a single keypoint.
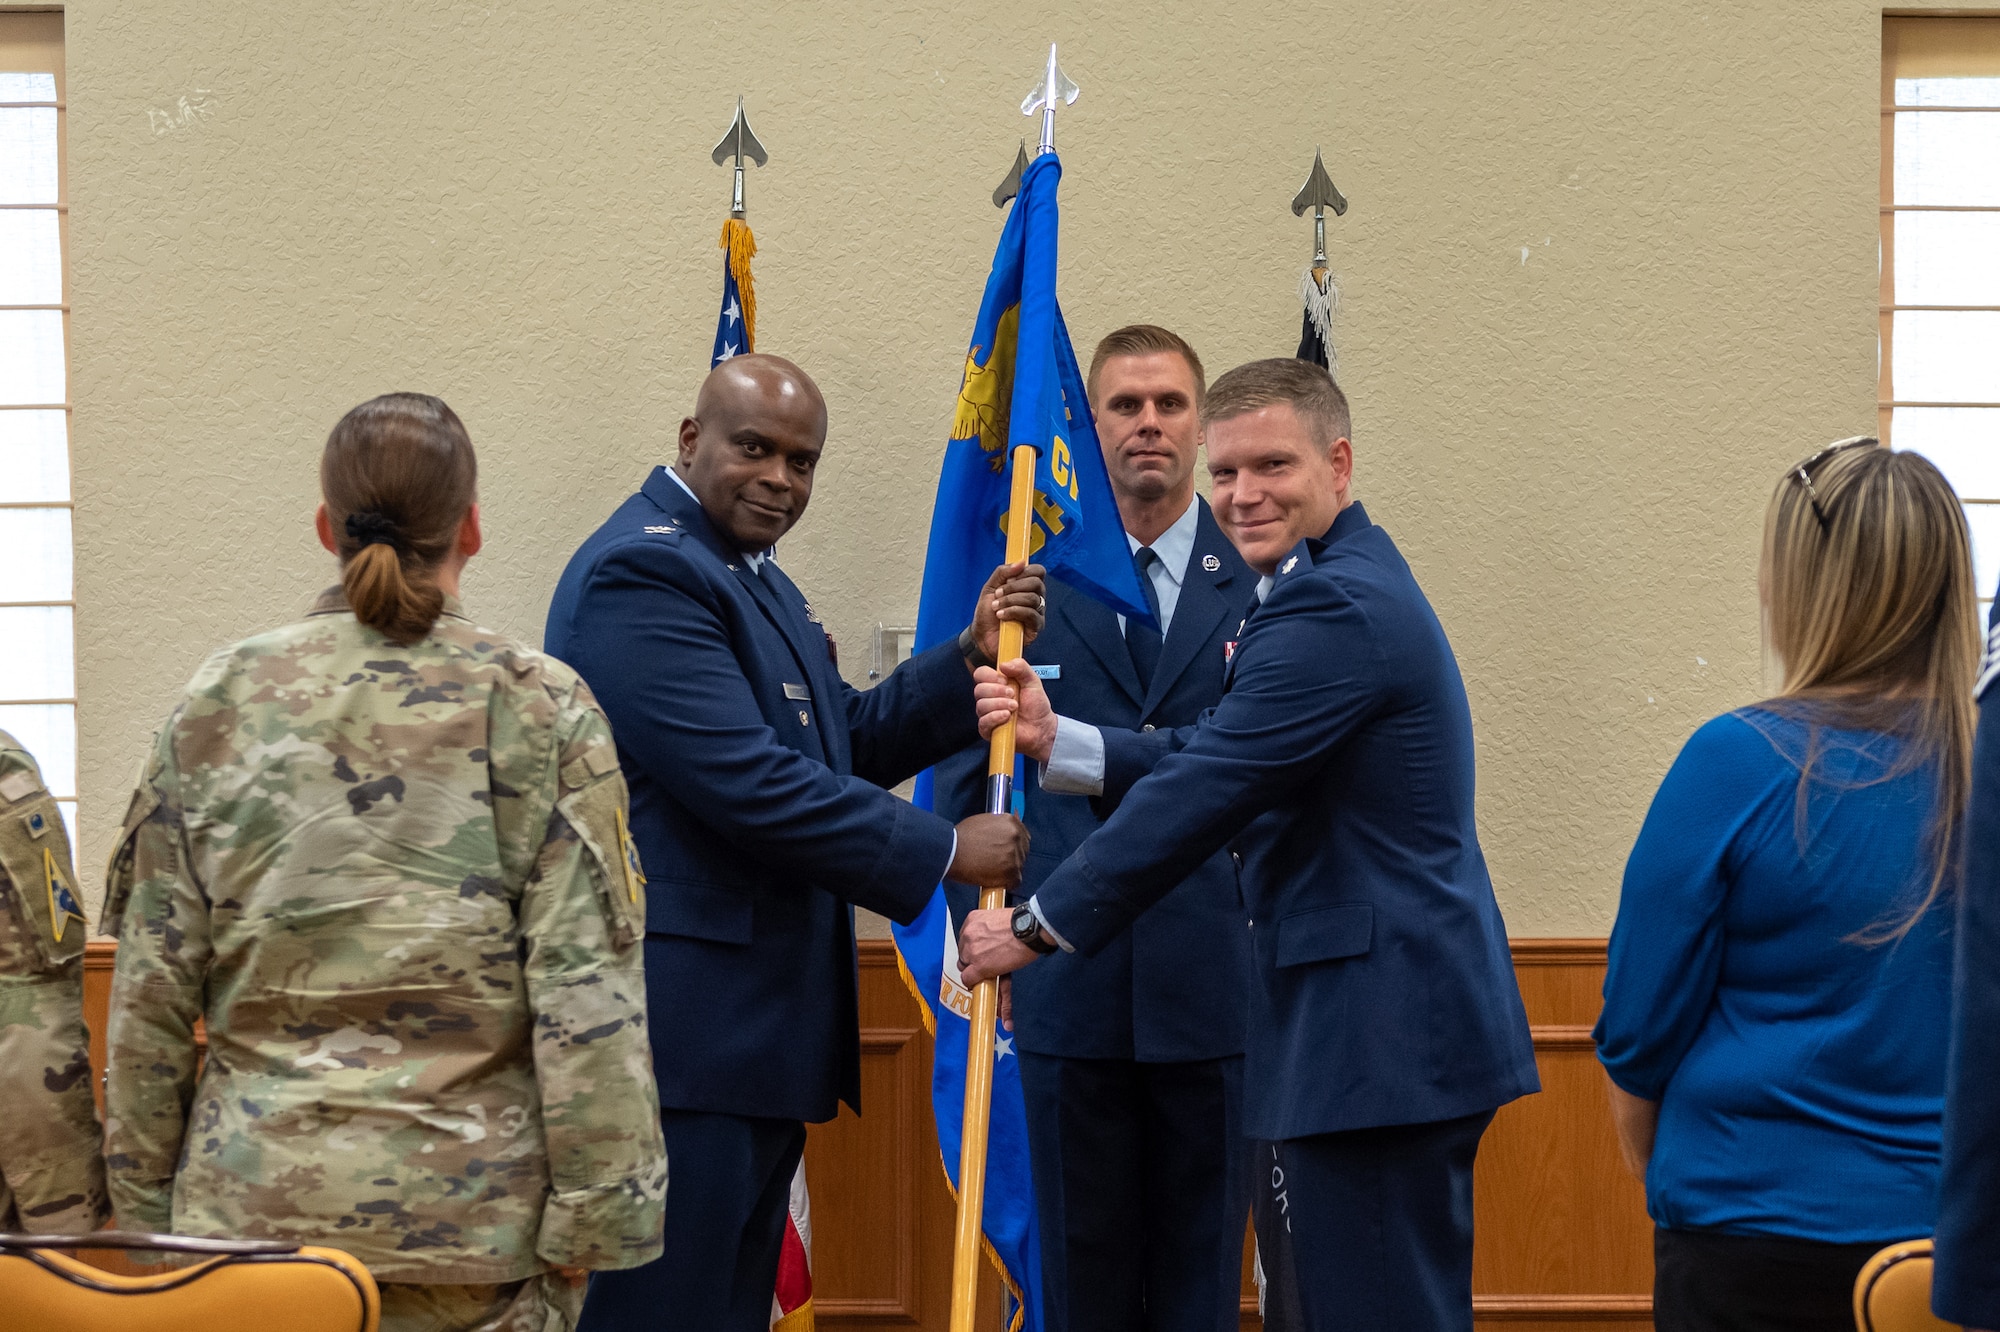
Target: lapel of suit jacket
[
  {"x": 809, "y": 641},
  {"x": 1204, "y": 600},
  {"x": 1097, "y": 625},
  {"x": 664, "y": 491},
  {"x": 771, "y": 600}
]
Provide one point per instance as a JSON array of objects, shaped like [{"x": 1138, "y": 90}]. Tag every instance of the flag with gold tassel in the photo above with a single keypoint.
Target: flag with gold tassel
[
  {"x": 736, "y": 326},
  {"x": 792, "y": 1301}
]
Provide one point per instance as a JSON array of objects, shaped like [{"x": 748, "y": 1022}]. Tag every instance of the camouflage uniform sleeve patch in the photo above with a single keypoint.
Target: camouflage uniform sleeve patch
[
  {"x": 35, "y": 856},
  {"x": 595, "y": 806}
]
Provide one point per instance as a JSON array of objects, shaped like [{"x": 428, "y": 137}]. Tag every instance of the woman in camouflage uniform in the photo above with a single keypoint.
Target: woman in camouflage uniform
[
  {"x": 382, "y": 853},
  {"x": 51, "y": 1167}
]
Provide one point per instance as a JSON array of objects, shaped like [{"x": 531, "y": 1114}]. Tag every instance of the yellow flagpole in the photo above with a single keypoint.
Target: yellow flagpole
[{"x": 986, "y": 995}]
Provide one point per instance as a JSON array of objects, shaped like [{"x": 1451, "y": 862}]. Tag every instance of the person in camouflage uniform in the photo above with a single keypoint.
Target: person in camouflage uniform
[
  {"x": 51, "y": 1162},
  {"x": 382, "y": 852}
]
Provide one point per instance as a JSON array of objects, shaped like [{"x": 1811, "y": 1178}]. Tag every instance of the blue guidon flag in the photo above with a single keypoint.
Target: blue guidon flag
[{"x": 1021, "y": 386}]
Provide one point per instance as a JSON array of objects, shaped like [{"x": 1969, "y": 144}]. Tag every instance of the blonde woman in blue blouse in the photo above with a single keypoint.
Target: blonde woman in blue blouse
[{"x": 1775, "y": 1011}]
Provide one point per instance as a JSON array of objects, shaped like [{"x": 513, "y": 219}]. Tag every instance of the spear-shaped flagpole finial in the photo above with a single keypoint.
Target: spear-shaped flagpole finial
[
  {"x": 1052, "y": 89},
  {"x": 739, "y": 142},
  {"x": 1319, "y": 194},
  {"x": 1011, "y": 187}
]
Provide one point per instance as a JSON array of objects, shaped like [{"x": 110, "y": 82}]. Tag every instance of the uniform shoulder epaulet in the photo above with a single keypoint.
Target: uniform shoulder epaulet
[{"x": 1298, "y": 560}]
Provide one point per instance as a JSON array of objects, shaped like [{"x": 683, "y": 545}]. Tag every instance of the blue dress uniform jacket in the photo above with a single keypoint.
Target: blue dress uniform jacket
[
  {"x": 1174, "y": 987},
  {"x": 1340, "y": 762},
  {"x": 1966, "y": 1284},
  {"x": 758, "y": 806}
]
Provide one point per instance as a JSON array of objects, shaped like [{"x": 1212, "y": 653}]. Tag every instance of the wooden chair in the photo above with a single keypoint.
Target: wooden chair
[
  {"x": 1893, "y": 1292},
  {"x": 223, "y": 1286}
]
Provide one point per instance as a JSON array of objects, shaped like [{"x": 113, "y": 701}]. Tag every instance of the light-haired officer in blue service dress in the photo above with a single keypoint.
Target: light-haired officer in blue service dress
[
  {"x": 1385, "y": 1024},
  {"x": 759, "y": 805},
  {"x": 1132, "y": 1060}
]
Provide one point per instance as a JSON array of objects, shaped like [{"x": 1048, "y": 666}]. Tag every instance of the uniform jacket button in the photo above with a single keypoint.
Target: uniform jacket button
[{"x": 1147, "y": 727}]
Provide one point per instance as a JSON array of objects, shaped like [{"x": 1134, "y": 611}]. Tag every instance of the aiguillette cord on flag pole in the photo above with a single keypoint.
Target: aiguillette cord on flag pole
[{"x": 1053, "y": 89}]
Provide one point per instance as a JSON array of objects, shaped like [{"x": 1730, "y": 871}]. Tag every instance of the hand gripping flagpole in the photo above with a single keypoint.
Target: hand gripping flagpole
[{"x": 1052, "y": 90}]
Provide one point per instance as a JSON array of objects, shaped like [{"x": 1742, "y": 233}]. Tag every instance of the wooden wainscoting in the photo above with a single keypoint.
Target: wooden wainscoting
[
  {"x": 1563, "y": 1242},
  {"x": 1561, "y": 1239}
]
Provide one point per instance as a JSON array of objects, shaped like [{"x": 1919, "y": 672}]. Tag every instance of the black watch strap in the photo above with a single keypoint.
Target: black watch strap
[
  {"x": 968, "y": 647},
  {"x": 1029, "y": 930}
]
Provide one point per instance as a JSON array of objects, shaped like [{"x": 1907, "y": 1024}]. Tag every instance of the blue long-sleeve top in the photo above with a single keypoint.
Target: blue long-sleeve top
[{"x": 1800, "y": 1072}]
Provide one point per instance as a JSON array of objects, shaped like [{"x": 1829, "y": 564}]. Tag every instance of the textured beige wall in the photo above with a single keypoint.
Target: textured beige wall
[{"x": 1606, "y": 270}]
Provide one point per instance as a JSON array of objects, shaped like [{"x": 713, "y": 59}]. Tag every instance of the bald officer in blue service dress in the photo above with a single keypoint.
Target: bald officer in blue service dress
[
  {"x": 758, "y": 805},
  {"x": 1132, "y": 1060},
  {"x": 1385, "y": 1024}
]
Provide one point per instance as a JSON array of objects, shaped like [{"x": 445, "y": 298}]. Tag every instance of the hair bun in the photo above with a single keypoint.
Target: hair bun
[{"x": 369, "y": 527}]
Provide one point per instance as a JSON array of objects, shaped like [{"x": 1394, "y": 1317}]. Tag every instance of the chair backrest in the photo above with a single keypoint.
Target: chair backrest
[
  {"x": 1893, "y": 1292},
  {"x": 219, "y": 1286}
]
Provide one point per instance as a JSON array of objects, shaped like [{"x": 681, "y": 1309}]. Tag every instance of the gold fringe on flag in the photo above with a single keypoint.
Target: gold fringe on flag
[{"x": 736, "y": 239}]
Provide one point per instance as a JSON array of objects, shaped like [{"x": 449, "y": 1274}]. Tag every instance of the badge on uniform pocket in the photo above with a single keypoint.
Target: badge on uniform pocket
[
  {"x": 1228, "y": 650},
  {"x": 36, "y": 822},
  {"x": 798, "y": 693}
]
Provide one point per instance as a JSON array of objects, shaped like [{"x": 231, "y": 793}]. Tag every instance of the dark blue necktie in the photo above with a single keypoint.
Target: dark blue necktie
[{"x": 1143, "y": 640}]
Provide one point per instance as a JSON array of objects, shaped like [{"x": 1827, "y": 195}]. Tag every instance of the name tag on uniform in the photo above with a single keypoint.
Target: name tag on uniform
[
  {"x": 798, "y": 693},
  {"x": 1049, "y": 672}
]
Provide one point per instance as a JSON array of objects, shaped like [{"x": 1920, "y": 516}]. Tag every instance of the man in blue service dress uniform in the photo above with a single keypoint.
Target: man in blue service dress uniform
[
  {"x": 758, "y": 806},
  {"x": 1132, "y": 1060},
  {"x": 1385, "y": 1025},
  {"x": 1966, "y": 1284}
]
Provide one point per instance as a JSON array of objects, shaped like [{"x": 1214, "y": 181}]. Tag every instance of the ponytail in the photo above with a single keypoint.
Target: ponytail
[
  {"x": 398, "y": 475},
  {"x": 383, "y": 597}
]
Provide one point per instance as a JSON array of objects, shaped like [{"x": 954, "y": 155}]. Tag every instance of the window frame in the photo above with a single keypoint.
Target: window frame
[
  {"x": 34, "y": 41},
  {"x": 1978, "y": 38}
]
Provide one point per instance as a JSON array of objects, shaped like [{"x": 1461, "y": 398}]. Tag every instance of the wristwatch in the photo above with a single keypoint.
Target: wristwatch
[
  {"x": 1028, "y": 930},
  {"x": 968, "y": 647}
]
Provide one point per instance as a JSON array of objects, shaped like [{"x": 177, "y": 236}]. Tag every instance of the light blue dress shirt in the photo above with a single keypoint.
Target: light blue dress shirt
[{"x": 1076, "y": 758}]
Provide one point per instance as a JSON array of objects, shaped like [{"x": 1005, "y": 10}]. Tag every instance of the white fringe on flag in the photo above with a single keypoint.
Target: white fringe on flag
[{"x": 1320, "y": 305}]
